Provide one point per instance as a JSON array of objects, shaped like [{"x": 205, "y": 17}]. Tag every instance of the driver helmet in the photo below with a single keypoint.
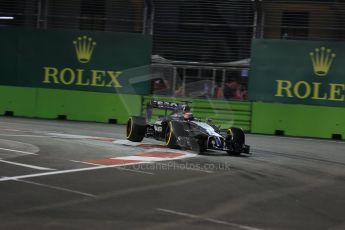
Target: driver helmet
[
  {"x": 186, "y": 108},
  {"x": 188, "y": 115}
]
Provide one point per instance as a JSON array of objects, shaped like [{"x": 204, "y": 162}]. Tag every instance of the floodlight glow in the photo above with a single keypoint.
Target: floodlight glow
[{"x": 6, "y": 18}]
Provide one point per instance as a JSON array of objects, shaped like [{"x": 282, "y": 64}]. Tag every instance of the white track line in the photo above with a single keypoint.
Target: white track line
[
  {"x": 26, "y": 165},
  {"x": 86, "y": 163},
  {"x": 207, "y": 219},
  {"x": 119, "y": 168},
  {"x": 21, "y": 135},
  {"x": 64, "y": 171},
  {"x": 14, "y": 130},
  {"x": 155, "y": 159},
  {"x": 143, "y": 158},
  {"x": 126, "y": 142},
  {"x": 18, "y": 151},
  {"x": 57, "y": 188},
  {"x": 53, "y": 135},
  {"x": 69, "y": 136}
]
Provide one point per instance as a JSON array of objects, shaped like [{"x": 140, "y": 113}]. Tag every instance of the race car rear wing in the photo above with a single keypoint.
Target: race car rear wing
[{"x": 166, "y": 105}]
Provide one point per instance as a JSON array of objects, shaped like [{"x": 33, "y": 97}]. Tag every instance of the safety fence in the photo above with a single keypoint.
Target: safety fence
[
  {"x": 109, "y": 15},
  {"x": 198, "y": 81},
  {"x": 204, "y": 31},
  {"x": 301, "y": 19}
]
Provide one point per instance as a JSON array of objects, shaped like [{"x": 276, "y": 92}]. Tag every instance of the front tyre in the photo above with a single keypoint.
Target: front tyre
[
  {"x": 235, "y": 140},
  {"x": 174, "y": 130},
  {"x": 136, "y": 128}
]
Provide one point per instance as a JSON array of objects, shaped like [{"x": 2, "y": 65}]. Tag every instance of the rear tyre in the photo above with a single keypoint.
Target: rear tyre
[
  {"x": 235, "y": 140},
  {"x": 136, "y": 128}
]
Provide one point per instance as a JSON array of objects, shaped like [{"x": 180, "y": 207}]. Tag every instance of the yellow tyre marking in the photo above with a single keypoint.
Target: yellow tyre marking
[
  {"x": 230, "y": 132},
  {"x": 170, "y": 133},
  {"x": 130, "y": 132}
]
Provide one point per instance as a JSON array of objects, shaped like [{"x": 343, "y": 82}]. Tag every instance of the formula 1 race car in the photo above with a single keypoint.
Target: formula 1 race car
[{"x": 181, "y": 130}]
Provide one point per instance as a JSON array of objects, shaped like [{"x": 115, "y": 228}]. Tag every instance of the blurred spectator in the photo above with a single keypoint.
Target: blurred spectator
[
  {"x": 180, "y": 92},
  {"x": 234, "y": 90},
  {"x": 219, "y": 92},
  {"x": 160, "y": 86},
  {"x": 207, "y": 88}
]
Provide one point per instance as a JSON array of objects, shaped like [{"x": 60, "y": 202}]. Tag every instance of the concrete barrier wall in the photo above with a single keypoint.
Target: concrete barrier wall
[
  {"x": 298, "y": 120},
  {"x": 68, "y": 104}
]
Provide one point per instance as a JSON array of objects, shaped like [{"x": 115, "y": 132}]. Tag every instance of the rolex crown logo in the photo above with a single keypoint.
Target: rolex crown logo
[
  {"x": 322, "y": 59},
  {"x": 84, "y": 47}
]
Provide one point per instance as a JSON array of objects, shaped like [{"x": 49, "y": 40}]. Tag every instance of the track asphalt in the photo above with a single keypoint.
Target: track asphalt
[{"x": 80, "y": 175}]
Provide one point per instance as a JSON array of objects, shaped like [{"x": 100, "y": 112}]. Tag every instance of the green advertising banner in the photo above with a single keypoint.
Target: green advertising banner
[
  {"x": 75, "y": 60},
  {"x": 297, "y": 72}
]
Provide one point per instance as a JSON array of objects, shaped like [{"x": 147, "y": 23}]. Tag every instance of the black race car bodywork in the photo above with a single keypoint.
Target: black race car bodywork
[{"x": 181, "y": 130}]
